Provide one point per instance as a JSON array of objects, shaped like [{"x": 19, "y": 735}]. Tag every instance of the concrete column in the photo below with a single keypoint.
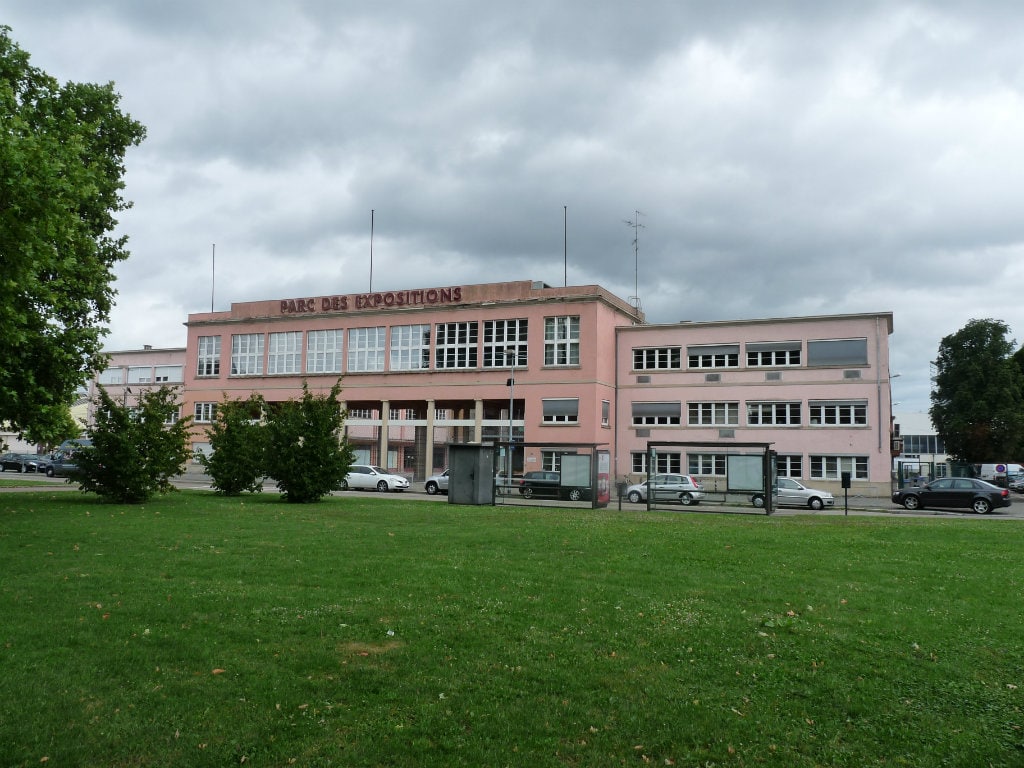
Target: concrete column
[{"x": 385, "y": 418}]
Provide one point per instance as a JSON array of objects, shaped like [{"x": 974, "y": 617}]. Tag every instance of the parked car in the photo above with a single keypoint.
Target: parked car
[
  {"x": 548, "y": 484},
  {"x": 956, "y": 493},
  {"x": 436, "y": 483},
  {"x": 62, "y": 464},
  {"x": 682, "y": 488},
  {"x": 787, "y": 492},
  {"x": 1017, "y": 484},
  {"x": 22, "y": 462},
  {"x": 368, "y": 477}
]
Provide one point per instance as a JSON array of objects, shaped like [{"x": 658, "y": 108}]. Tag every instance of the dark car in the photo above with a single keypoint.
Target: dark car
[
  {"x": 62, "y": 464},
  {"x": 22, "y": 462},
  {"x": 956, "y": 493},
  {"x": 548, "y": 484}
]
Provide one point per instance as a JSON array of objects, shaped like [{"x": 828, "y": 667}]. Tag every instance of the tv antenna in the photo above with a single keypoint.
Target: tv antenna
[{"x": 637, "y": 226}]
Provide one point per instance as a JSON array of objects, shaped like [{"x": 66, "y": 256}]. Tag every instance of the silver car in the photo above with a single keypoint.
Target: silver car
[
  {"x": 789, "y": 493},
  {"x": 436, "y": 483},
  {"x": 668, "y": 487},
  {"x": 367, "y": 477}
]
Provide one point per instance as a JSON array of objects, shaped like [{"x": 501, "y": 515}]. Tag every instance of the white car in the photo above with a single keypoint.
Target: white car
[
  {"x": 436, "y": 483},
  {"x": 366, "y": 477},
  {"x": 668, "y": 487},
  {"x": 790, "y": 493}
]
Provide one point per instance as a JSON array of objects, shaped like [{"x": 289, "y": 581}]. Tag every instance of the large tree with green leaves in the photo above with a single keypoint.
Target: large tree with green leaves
[
  {"x": 62, "y": 152},
  {"x": 307, "y": 453},
  {"x": 978, "y": 397}
]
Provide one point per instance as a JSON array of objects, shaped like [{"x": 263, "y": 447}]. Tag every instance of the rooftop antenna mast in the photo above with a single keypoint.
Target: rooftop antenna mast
[
  {"x": 213, "y": 273},
  {"x": 637, "y": 226},
  {"x": 371, "y": 250}
]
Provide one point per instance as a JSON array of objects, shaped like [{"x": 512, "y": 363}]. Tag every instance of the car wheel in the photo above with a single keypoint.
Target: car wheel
[
  {"x": 382, "y": 486},
  {"x": 912, "y": 502},
  {"x": 527, "y": 491},
  {"x": 49, "y": 471},
  {"x": 757, "y": 500},
  {"x": 685, "y": 498},
  {"x": 344, "y": 485},
  {"x": 815, "y": 503},
  {"x": 981, "y": 506},
  {"x": 575, "y": 494},
  {"x": 431, "y": 488}
]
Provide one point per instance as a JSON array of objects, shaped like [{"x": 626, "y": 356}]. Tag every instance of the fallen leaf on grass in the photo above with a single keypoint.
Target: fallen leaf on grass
[{"x": 218, "y": 671}]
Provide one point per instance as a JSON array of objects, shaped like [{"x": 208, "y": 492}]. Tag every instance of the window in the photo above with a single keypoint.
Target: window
[
  {"x": 561, "y": 411},
  {"x": 718, "y": 356},
  {"x": 365, "y": 349},
  {"x": 773, "y": 353},
  {"x": 789, "y": 466},
  {"x": 173, "y": 416},
  {"x": 209, "y": 356},
  {"x": 457, "y": 345},
  {"x": 838, "y": 413},
  {"x": 837, "y": 352},
  {"x": 551, "y": 461},
  {"x": 657, "y": 414},
  {"x": 606, "y": 409},
  {"x": 323, "y": 351},
  {"x": 360, "y": 413},
  {"x": 667, "y": 462},
  {"x": 562, "y": 340},
  {"x": 706, "y": 464},
  {"x": 166, "y": 373},
  {"x": 832, "y": 467},
  {"x": 140, "y": 374},
  {"x": 499, "y": 335},
  {"x": 247, "y": 354},
  {"x": 111, "y": 376},
  {"x": 410, "y": 347},
  {"x": 713, "y": 414},
  {"x": 657, "y": 358},
  {"x": 765, "y": 414},
  {"x": 205, "y": 412},
  {"x": 285, "y": 353},
  {"x": 639, "y": 461},
  {"x": 923, "y": 444}
]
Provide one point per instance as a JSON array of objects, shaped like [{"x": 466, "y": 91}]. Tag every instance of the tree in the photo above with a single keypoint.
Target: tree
[
  {"x": 62, "y": 154},
  {"x": 978, "y": 398},
  {"x": 60, "y": 427},
  {"x": 135, "y": 451},
  {"x": 237, "y": 439},
  {"x": 306, "y": 452}
]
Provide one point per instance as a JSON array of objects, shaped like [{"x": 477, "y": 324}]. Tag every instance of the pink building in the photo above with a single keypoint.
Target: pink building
[
  {"x": 131, "y": 372},
  {"x": 427, "y": 367}
]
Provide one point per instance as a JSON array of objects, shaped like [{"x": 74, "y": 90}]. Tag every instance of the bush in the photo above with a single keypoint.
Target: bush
[
  {"x": 305, "y": 451},
  {"x": 135, "y": 451},
  {"x": 237, "y": 438}
]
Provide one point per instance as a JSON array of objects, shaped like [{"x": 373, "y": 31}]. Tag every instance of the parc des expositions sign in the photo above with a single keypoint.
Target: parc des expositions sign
[{"x": 389, "y": 299}]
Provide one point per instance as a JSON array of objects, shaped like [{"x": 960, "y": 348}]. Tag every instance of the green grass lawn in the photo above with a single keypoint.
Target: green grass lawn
[{"x": 195, "y": 630}]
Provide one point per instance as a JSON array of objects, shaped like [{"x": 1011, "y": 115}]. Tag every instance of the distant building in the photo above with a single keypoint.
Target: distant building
[
  {"x": 131, "y": 372},
  {"x": 922, "y": 455}
]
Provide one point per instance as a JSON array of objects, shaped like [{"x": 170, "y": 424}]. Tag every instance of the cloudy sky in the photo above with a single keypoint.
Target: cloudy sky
[{"x": 786, "y": 158}]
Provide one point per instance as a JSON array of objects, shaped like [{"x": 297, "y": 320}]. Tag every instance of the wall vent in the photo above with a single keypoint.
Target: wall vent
[
  {"x": 643, "y": 379},
  {"x": 643, "y": 433},
  {"x": 773, "y": 376},
  {"x": 851, "y": 374},
  {"x": 727, "y": 433},
  {"x": 712, "y": 377}
]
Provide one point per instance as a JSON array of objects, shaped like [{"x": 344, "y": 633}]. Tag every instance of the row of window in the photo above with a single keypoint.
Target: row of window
[
  {"x": 773, "y": 354},
  {"x": 565, "y": 410},
  {"x": 825, "y": 413},
  {"x": 142, "y": 374},
  {"x": 822, "y": 467},
  {"x": 454, "y": 346}
]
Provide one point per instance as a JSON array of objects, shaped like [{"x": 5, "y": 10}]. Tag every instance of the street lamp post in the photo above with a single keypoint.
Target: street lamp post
[{"x": 510, "y": 355}]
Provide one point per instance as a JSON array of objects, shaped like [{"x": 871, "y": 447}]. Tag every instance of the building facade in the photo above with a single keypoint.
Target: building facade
[{"x": 556, "y": 368}]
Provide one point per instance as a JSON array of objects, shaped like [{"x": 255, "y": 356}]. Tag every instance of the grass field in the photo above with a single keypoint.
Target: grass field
[{"x": 201, "y": 631}]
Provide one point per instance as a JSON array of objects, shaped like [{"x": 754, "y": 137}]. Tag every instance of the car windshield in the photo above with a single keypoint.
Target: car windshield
[{"x": 378, "y": 470}]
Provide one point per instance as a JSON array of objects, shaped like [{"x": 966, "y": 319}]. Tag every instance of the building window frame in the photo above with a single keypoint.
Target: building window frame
[
  {"x": 208, "y": 363},
  {"x": 656, "y": 414},
  {"x": 657, "y": 358},
  {"x": 324, "y": 350},
  {"x": 708, "y": 356},
  {"x": 832, "y": 414},
  {"x": 706, "y": 464},
  {"x": 247, "y": 354},
  {"x": 456, "y": 345},
  {"x": 366, "y": 349},
  {"x": 774, "y": 413},
  {"x": 562, "y": 341},
  {"x": 560, "y": 410},
  {"x": 831, "y": 467},
  {"x": 499, "y": 335},
  {"x": 205, "y": 412},
  {"x": 284, "y": 353},
  {"x": 410, "y": 347},
  {"x": 713, "y": 413}
]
